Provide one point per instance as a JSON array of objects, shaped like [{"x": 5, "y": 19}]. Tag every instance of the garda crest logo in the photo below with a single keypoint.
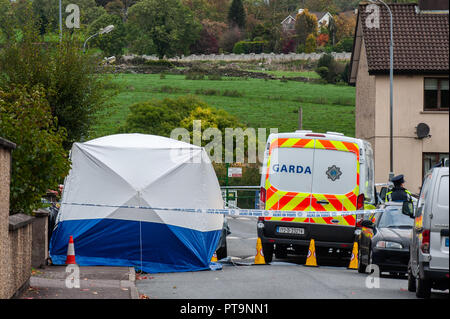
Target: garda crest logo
[{"x": 334, "y": 173}]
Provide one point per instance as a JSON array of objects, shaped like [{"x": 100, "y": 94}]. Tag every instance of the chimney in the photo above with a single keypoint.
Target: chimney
[{"x": 433, "y": 5}]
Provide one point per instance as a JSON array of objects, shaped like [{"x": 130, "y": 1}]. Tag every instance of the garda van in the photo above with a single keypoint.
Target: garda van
[{"x": 306, "y": 171}]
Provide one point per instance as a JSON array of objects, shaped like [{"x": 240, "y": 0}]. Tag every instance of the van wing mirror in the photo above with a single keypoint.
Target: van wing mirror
[
  {"x": 408, "y": 209},
  {"x": 383, "y": 192}
]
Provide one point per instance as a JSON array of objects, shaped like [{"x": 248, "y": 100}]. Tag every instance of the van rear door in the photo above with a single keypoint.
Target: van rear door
[
  {"x": 335, "y": 184},
  {"x": 439, "y": 224},
  {"x": 289, "y": 175}
]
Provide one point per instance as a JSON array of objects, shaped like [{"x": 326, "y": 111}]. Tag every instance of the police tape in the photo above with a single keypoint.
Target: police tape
[{"x": 242, "y": 212}]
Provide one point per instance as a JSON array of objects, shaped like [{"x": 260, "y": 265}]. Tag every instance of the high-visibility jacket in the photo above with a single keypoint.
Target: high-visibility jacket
[{"x": 398, "y": 194}]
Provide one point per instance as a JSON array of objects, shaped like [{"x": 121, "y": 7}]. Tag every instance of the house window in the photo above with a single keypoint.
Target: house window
[
  {"x": 436, "y": 94},
  {"x": 431, "y": 159}
]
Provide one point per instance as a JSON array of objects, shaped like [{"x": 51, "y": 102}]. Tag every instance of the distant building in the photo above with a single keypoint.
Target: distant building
[
  {"x": 323, "y": 18},
  {"x": 421, "y": 87}
]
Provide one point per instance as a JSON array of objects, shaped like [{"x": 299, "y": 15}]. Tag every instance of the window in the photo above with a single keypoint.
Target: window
[
  {"x": 431, "y": 159},
  {"x": 436, "y": 94}
]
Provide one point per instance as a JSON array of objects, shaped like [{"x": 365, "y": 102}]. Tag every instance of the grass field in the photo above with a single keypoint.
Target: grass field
[{"x": 255, "y": 102}]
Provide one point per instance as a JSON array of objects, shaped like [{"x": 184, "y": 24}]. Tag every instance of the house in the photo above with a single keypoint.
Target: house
[
  {"x": 323, "y": 18},
  {"x": 420, "y": 87}
]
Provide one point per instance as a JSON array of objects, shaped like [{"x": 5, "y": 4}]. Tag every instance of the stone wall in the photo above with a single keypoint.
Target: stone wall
[
  {"x": 15, "y": 234},
  {"x": 269, "y": 57}
]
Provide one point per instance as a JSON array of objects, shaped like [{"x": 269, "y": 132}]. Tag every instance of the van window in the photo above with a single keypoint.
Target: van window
[
  {"x": 369, "y": 187},
  {"x": 291, "y": 169},
  {"x": 423, "y": 193},
  {"x": 443, "y": 192},
  {"x": 334, "y": 172}
]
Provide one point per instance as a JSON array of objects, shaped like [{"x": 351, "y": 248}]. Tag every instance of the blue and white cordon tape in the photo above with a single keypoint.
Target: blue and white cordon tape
[{"x": 243, "y": 212}]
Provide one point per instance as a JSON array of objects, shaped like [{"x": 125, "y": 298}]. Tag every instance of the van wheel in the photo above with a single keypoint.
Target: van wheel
[
  {"x": 411, "y": 280},
  {"x": 268, "y": 252},
  {"x": 423, "y": 288}
]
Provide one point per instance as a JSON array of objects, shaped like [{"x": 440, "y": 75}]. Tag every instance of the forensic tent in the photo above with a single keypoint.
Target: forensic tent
[{"x": 110, "y": 177}]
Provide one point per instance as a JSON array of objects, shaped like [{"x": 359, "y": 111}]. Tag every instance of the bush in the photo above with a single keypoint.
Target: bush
[
  {"x": 332, "y": 71},
  {"x": 160, "y": 117},
  {"x": 39, "y": 162},
  {"x": 345, "y": 45},
  {"x": 310, "y": 45},
  {"x": 246, "y": 47}
]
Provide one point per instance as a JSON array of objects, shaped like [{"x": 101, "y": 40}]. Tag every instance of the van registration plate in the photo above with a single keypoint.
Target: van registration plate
[{"x": 290, "y": 230}]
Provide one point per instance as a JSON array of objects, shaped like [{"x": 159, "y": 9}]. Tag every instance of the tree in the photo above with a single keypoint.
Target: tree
[
  {"x": 206, "y": 44},
  {"x": 305, "y": 24},
  {"x": 39, "y": 162},
  {"x": 167, "y": 23},
  {"x": 310, "y": 45},
  {"x": 230, "y": 38},
  {"x": 236, "y": 14},
  {"x": 321, "y": 5},
  {"x": 71, "y": 79},
  {"x": 113, "y": 42},
  {"x": 345, "y": 26},
  {"x": 48, "y": 13}
]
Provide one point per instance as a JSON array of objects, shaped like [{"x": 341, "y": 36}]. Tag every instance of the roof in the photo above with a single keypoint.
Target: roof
[
  {"x": 421, "y": 40},
  {"x": 4, "y": 143},
  {"x": 319, "y": 15}
]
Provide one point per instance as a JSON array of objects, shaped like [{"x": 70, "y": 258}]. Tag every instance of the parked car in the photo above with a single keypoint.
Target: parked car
[
  {"x": 384, "y": 240},
  {"x": 428, "y": 263}
]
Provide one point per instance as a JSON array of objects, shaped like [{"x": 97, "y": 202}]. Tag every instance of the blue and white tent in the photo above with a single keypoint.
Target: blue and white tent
[{"x": 111, "y": 173}]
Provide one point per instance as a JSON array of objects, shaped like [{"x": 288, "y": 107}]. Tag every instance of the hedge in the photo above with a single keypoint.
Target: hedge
[{"x": 247, "y": 47}]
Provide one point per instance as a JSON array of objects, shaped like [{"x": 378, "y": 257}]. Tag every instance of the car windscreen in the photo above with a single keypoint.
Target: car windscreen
[{"x": 393, "y": 217}]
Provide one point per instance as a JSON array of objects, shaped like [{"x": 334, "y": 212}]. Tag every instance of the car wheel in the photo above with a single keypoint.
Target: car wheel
[
  {"x": 423, "y": 288},
  {"x": 361, "y": 266},
  {"x": 268, "y": 252},
  {"x": 411, "y": 280}
]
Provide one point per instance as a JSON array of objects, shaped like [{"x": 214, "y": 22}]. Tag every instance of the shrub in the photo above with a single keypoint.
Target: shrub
[
  {"x": 232, "y": 93},
  {"x": 247, "y": 47},
  {"x": 39, "y": 162},
  {"x": 194, "y": 76},
  {"x": 310, "y": 45}
]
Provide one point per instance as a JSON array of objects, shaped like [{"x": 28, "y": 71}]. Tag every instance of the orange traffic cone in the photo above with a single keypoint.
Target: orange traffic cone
[
  {"x": 259, "y": 258},
  {"x": 311, "y": 258},
  {"x": 354, "y": 260},
  {"x": 214, "y": 257},
  {"x": 70, "y": 253}
]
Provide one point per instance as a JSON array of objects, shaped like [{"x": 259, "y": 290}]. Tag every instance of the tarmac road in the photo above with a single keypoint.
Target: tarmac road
[{"x": 282, "y": 279}]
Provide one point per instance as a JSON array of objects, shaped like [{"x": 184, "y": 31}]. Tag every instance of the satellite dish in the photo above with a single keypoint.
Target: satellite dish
[{"x": 422, "y": 130}]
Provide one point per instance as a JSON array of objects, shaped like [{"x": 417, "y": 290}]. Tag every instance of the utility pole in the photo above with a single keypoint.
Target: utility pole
[{"x": 300, "y": 118}]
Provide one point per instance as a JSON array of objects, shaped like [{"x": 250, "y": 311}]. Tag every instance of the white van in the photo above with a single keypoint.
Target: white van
[
  {"x": 314, "y": 172},
  {"x": 428, "y": 264}
]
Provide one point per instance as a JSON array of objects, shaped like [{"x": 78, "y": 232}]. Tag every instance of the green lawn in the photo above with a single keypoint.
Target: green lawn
[{"x": 262, "y": 103}]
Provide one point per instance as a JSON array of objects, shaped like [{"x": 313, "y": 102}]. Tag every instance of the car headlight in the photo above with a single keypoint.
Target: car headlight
[{"x": 389, "y": 244}]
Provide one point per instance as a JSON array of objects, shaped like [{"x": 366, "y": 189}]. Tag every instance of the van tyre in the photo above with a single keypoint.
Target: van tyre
[
  {"x": 268, "y": 252},
  {"x": 423, "y": 288},
  {"x": 411, "y": 280}
]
